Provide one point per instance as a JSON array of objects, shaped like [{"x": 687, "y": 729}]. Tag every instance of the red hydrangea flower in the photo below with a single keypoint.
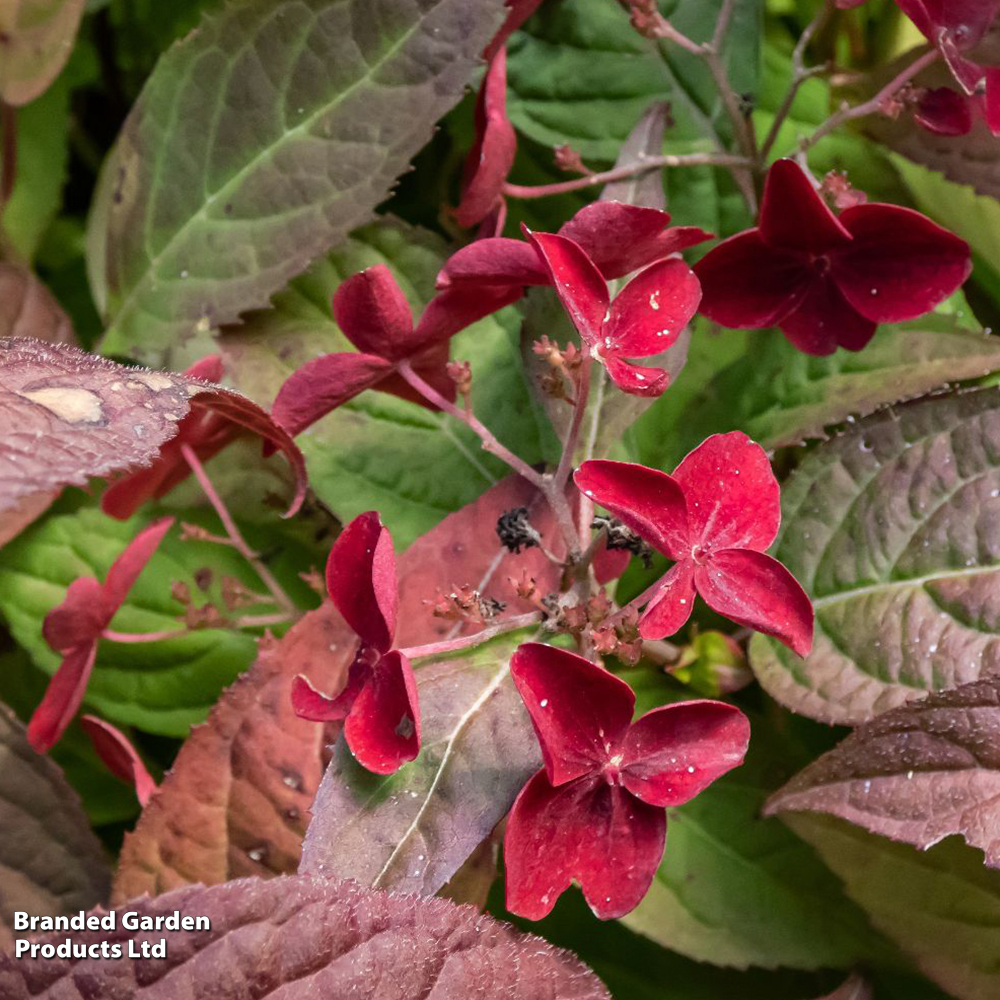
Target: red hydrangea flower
[
  {"x": 379, "y": 700},
  {"x": 715, "y": 516},
  {"x": 645, "y": 318},
  {"x": 373, "y": 313},
  {"x": 827, "y": 280},
  {"x": 618, "y": 239},
  {"x": 217, "y": 418},
  {"x": 119, "y": 756},
  {"x": 74, "y": 628},
  {"x": 945, "y": 111},
  {"x": 492, "y": 155},
  {"x": 595, "y": 812}
]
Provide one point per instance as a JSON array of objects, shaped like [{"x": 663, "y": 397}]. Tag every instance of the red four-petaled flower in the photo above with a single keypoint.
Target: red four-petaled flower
[
  {"x": 374, "y": 315},
  {"x": 827, "y": 280},
  {"x": 74, "y": 628},
  {"x": 595, "y": 812},
  {"x": 716, "y": 515},
  {"x": 645, "y": 318},
  {"x": 379, "y": 700},
  {"x": 617, "y": 238},
  {"x": 217, "y": 418}
]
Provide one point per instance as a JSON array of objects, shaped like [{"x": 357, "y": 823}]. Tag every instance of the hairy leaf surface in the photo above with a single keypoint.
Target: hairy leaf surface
[
  {"x": 259, "y": 142},
  {"x": 893, "y": 528},
  {"x": 50, "y": 861},
  {"x": 306, "y": 937},
  {"x": 918, "y": 773},
  {"x": 940, "y": 906}
]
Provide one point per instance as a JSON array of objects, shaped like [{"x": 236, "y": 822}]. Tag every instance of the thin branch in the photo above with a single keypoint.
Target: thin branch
[
  {"x": 848, "y": 113},
  {"x": 235, "y": 538},
  {"x": 488, "y": 438},
  {"x": 800, "y": 74},
  {"x": 641, "y": 166},
  {"x": 476, "y": 639},
  {"x": 136, "y": 637}
]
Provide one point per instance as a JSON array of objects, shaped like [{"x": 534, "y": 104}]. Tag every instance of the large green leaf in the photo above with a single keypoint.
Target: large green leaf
[
  {"x": 580, "y": 74},
  {"x": 892, "y": 528},
  {"x": 736, "y": 889},
  {"x": 758, "y": 383},
  {"x": 379, "y": 452},
  {"x": 162, "y": 687},
  {"x": 258, "y": 143},
  {"x": 942, "y": 906}
]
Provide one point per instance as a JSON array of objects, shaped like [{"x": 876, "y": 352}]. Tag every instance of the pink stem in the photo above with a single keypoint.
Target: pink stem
[
  {"x": 620, "y": 173},
  {"x": 488, "y": 438},
  {"x": 134, "y": 637},
  {"x": 237, "y": 540},
  {"x": 476, "y": 639}
]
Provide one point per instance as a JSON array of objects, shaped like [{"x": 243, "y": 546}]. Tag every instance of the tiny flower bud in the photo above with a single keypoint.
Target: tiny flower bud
[
  {"x": 236, "y": 595},
  {"x": 568, "y": 159},
  {"x": 460, "y": 372},
  {"x": 548, "y": 350},
  {"x": 195, "y": 533},
  {"x": 315, "y": 580},
  {"x": 180, "y": 592},
  {"x": 838, "y": 190}
]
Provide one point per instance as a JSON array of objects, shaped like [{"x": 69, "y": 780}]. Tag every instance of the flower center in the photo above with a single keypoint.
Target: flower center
[
  {"x": 613, "y": 770},
  {"x": 821, "y": 263},
  {"x": 700, "y": 554}
]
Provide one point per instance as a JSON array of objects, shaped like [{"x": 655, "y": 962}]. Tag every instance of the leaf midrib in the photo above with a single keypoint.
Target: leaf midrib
[{"x": 127, "y": 302}]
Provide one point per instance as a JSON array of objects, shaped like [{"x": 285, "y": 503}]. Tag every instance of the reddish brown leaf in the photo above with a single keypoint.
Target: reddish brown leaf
[
  {"x": 66, "y": 416},
  {"x": 50, "y": 862},
  {"x": 305, "y": 938},
  {"x": 236, "y": 801},
  {"x": 29, "y": 309},
  {"x": 36, "y": 39},
  {"x": 919, "y": 773}
]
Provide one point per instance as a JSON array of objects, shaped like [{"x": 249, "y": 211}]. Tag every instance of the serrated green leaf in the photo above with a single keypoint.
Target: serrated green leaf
[
  {"x": 379, "y": 452},
  {"x": 758, "y": 383},
  {"x": 258, "y": 143},
  {"x": 892, "y": 528},
  {"x": 580, "y": 74},
  {"x": 942, "y": 906},
  {"x": 738, "y": 890},
  {"x": 163, "y": 687}
]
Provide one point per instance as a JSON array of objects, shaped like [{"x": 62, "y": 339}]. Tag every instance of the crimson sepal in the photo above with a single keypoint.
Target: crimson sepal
[
  {"x": 645, "y": 318},
  {"x": 379, "y": 703},
  {"x": 715, "y": 516},
  {"x": 828, "y": 281},
  {"x": 374, "y": 316},
  {"x": 119, "y": 756},
  {"x": 217, "y": 417},
  {"x": 74, "y": 628},
  {"x": 492, "y": 154},
  {"x": 595, "y": 813},
  {"x": 617, "y": 238}
]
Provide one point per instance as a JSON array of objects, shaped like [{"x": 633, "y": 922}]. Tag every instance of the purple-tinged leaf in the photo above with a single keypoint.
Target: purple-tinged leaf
[
  {"x": 646, "y": 139},
  {"x": 50, "y": 862},
  {"x": 285, "y": 121},
  {"x": 919, "y": 773},
  {"x": 893, "y": 529},
  {"x": 305, "y": 938}
]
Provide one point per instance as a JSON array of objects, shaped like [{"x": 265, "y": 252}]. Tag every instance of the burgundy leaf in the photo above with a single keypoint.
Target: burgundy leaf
[
  {"x": 50, "y": 862},
  {"x": 68, "y": 416},
  {"x": 306, "y": 938},
  {"x": 918, "y": 773}
]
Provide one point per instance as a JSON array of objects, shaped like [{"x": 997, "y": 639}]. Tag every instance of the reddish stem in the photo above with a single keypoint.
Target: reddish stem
[
  {"x": 136, "y": 637},
  {"x": 476, "y": 639}
]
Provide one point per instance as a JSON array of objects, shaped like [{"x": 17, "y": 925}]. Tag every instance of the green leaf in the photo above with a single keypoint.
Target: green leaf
[
  {"x": 411, "y": 831},
  {"x": 892, "y": 529},
  {"x": 735, "y": 889},
  {"x": 163, "y": 687},
  {"x": 580, "y": 74},
  {"x": 379, "y": 452},
  {"x": 37, "y": 38},
  {"x": 757, "y": 382},
  {"x": 942, "y": 906},
  {"x": 259, "y": 142}
]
